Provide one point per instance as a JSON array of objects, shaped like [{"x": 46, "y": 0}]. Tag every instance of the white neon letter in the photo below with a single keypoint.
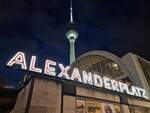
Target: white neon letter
[
  {"x": 48, "y": 69},
  {"x": 143, "y": 93},
  {"x": 87, "y": 77},
  {"x": 19, "y": 58},
  {"x": 98, "y": 80},
  {"x": 115, "y": 85},
  {"x": 64, "y": 71},
  {"x": 32, "y": 65},
  {"x": 138, "y": 91},
  {"x": 76, "y": 75},
  {"x": 134, "y": 91},
  {"x": 106, "y": 83},
  {"x": 124, "y": 87}
]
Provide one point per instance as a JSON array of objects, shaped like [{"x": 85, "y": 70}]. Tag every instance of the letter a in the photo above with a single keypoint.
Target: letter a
[
  {"x": 19, "y": 58},
  {"x": 76, "y": 75}
]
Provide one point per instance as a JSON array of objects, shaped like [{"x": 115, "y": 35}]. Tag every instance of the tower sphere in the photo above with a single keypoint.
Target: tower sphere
[{"x": 72, "y": 35}]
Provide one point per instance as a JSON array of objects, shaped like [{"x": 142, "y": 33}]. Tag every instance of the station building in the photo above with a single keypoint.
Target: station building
[
  {"x": 48, "y": 94},
  {"x": 53, "y": 95}
]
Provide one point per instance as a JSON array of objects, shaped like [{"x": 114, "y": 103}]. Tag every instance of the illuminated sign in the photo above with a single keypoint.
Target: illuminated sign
[{"x": 86, "y": 78}]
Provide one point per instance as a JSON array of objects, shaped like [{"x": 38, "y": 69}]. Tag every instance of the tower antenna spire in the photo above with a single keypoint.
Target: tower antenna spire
[
  {"x": 71, "y": 12},
  {"x": 72, "y": 35}
]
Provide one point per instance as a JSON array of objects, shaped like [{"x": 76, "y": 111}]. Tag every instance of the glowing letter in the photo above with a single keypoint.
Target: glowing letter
[
  {"x": 32, "y": 65},
  {"x": 106, "y": 83},
  {"x": 76, "y": 75},
  {"x": 141, "y": 92},
  {"x": 64, "y": 71},
  {"x": 138, "y": 91},
  {"x": 98, "y": 80},
  {"x": 19, "y": 58},
  {"x": 114, "y": 85},
  {"x": 134, "y": 91},
  {"x": 124, "y": 87},
  {"x": 87, "y": 78},
  {"x": 50, "y": 70}
]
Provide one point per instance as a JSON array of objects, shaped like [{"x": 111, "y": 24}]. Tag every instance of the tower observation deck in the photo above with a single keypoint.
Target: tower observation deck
[{"x": 71, "y": 35}]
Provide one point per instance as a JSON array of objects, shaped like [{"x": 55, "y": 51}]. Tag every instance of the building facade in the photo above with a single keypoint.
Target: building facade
[
  {"x": 140, "y": 69},
  {"x": 49, "y": 94},
  {"x": 54, "y": 95},
  {"x": 43, "y": 95}
]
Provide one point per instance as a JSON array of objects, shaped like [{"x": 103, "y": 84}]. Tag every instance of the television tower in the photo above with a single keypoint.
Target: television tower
[{"x": 72, "y": 35}]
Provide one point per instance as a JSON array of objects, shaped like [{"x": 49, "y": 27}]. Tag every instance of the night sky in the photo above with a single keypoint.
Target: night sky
[{"x": 38, "y": 27}]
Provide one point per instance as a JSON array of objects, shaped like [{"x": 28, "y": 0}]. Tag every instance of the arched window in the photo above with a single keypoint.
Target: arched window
[{"x": 103, "y": 64}]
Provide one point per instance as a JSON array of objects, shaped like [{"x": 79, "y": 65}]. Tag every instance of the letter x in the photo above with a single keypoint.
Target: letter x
[{"x": 64, "y": 71}]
